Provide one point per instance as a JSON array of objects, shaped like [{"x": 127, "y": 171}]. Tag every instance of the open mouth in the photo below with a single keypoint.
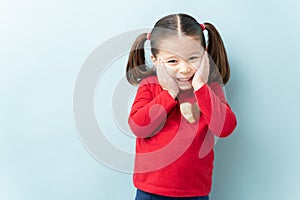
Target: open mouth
[{"x": 184, "y": 79}]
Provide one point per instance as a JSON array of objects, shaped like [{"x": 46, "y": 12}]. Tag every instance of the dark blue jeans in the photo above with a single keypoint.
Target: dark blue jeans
[{"x": 141, "y": 195}]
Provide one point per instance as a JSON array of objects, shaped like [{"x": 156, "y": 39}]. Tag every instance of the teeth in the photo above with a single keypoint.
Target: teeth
[{"x": 183, "y": 79}]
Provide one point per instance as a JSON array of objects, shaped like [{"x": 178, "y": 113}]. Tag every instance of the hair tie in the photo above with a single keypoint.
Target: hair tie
[
  {"x": 148, "y": 36},
  {"x": 202, "y": 27}
]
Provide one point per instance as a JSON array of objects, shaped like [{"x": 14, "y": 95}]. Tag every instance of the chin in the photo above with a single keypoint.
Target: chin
[{"x": 185, "y": 87}]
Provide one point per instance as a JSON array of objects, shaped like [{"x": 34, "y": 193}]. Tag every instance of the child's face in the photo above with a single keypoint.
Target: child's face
[{"x": 182, "y": 57}]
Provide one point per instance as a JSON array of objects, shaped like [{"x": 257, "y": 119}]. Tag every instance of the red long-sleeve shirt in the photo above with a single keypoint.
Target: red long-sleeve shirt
[{"x": 173, "y": 156}]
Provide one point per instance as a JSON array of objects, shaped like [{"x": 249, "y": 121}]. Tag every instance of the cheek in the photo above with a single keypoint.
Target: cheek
[
  {"x": 196, "y": 65},
  {"x": 171, "y": 70}
]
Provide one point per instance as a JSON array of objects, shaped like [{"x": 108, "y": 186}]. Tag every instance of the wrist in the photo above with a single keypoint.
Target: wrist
[
  {"x": 198, "y": 86},
  {"x": 173, "y": 94}
]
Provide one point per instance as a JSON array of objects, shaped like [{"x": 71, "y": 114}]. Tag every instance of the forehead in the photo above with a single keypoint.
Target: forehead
[{"x": 182, "y": 46}]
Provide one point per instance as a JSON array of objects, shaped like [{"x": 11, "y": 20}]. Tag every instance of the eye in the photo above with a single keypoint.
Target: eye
[
  {"x": 193, "y": 58},
  {"x": 172, "y": 61}
]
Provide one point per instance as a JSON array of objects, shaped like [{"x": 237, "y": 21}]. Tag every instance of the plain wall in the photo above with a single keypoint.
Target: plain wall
[{"x": 43, "y": 45}]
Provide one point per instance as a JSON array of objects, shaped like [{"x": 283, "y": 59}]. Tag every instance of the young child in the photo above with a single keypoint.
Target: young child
[{"x": 178, "y": 109}]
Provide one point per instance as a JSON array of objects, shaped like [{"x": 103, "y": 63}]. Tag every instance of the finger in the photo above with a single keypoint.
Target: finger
[
  {"x": 202, "y": 60},
  {"x": 197, "y": 67},
  {"x": 158, "y": 68},
  {"x": 205, "y": 58},
  {"x": 207, "y": 67},
  {"x": 202, "y": 64},
  {"x": 207, "y": 63},
  {"x": 157, "y": 63},
  {"x": 163, "y": 68},
  {"x": 199, "y": 72},
  {"x": 161, "y": 72}
]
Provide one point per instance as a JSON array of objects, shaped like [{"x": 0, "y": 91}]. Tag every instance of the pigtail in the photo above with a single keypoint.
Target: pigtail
[
  {"x": 136, "y": 68},
  {"x": 216, "y": 50}
]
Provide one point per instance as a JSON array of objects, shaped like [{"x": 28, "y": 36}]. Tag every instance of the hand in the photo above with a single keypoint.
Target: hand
[
  {"x": 165, "y": 80},
  {"x": 201, "y": 75}
]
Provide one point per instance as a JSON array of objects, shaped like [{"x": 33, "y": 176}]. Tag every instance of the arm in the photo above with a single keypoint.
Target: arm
[
  {"x": 149, "y": 113},
  {"x": 216, "y": 111}
]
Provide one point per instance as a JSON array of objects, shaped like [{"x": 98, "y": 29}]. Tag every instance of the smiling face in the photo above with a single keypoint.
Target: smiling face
[{"x": 182, "y": 57}]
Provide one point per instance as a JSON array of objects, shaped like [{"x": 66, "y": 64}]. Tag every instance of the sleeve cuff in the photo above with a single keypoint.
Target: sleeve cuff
[
  {"x": 167, "y": 100},
  {"x": 203, "y": 91}
]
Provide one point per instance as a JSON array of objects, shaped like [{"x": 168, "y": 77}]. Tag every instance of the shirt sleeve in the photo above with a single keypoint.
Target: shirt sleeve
[
  {"x": 149, "y": 112},
  {"x": 216, "y": 111}
]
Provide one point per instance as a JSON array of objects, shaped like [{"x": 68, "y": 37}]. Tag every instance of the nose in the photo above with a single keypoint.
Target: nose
[{"x": 184, "y": 68}]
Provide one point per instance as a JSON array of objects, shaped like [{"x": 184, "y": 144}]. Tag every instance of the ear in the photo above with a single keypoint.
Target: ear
[{"x": 154, "y": 60}]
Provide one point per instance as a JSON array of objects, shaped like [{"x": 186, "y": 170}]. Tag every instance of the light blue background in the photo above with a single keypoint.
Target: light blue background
[{"x": 43, "y": 45}]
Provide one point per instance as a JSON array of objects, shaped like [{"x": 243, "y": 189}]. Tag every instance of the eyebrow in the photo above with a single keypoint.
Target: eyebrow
[
  {"x": 169, "y": 57},
  {"x": 174, "y": 56},
  {"x": 195, "y": 53}
]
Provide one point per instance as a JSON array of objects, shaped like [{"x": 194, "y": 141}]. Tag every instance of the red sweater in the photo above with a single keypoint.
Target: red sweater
[{"x": 173, "y": 156}]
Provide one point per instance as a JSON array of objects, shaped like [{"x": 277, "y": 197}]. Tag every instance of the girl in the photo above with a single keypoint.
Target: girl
[{"x": 178, "y": 109}]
